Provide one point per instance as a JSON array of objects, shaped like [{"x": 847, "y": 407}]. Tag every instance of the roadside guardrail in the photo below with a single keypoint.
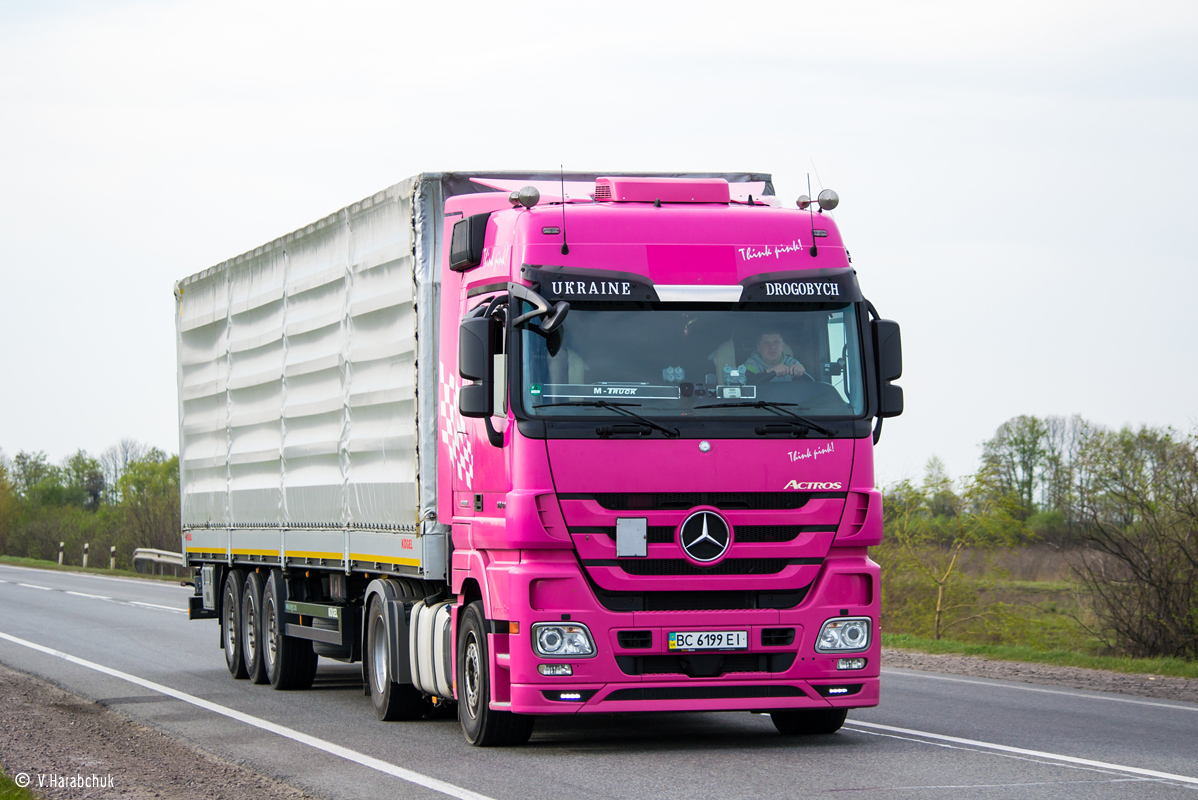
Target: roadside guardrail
[{"x": 156, "y": 562}]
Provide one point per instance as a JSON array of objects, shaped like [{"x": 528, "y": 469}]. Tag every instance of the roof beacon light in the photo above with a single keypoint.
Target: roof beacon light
[
  {"x": 529, "y": 196},
  {"x": 827, "y": 200}
]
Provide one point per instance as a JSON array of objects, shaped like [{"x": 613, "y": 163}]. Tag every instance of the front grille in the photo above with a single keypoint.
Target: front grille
[
  {"x": 681, "y": 501},
  {"x": 664, "y": 534},
  {"x": 657, "y": 534},
  {"x": 775, "y": 533},
  {"x": 635, "y": 640},
  {"x": 698, "y": 601},
  {"x": 677, "y": 566},
  {"x": 705, "y": 665},
  {"x": 777, "y": 637},
  {"x": 704, "y": 692},
  {"x": 729, "y": 566}
]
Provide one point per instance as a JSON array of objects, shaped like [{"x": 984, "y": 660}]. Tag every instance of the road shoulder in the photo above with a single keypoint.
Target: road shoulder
[
  {"x": 1161, "y": 687},
  {"x": 57, "y": 737}
]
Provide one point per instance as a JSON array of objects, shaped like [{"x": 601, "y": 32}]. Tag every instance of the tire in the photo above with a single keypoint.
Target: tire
[
  {"x": 230, "y": 623},
  {"x": 392, "y": 701},
  {"x": 809, "y": 722},
  {"x": 290, "y": 663},
  {"x": 483, "y": 726},
  {"x": 251, "y": 628}
]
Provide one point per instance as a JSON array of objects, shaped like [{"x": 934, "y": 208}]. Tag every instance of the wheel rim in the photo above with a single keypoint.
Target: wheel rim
[
  {"x": 230, "y": 623},
  {"x": 251, "y": 627},
  {"x": 378, "y": 655},
  {"x": 473, "y": 675},
  {"x": 269, "y": 645}
]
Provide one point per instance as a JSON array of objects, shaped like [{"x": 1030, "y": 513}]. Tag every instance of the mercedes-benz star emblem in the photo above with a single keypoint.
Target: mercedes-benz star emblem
[{"x": 705, "y": 536}]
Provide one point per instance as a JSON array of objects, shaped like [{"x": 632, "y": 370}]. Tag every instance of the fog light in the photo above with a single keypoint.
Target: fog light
[
  {"x": 838, "y": 690},
  {"x": 563, "y": 669},
  {"x": 570, "y": 696},
  {"x": 850, "y": 663}
]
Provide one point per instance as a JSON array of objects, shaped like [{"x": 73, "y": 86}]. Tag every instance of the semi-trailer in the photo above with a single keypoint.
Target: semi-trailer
[{"x": 542, "y": 443}]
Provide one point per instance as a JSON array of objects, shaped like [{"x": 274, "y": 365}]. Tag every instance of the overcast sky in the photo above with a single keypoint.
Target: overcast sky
[{"x": 1018, "y": 180}]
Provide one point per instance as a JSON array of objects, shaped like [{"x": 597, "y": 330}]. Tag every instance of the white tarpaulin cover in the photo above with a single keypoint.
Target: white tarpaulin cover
[{"x": 297, "y": 377}]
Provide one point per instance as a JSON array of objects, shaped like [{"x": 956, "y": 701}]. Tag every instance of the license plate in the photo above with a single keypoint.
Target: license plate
[{"x": 709, "y": 640}]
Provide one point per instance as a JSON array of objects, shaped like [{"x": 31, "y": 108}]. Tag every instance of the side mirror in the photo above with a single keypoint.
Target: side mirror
[
  {"x": 888, "y": 347},
  {"x": 477, "y": 342},
  {"x": 888, "y": 350},
  {"x": 466, "y": 243}
]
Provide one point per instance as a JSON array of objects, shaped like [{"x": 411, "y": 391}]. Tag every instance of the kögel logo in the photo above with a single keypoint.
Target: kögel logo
[
  {"x": 705, "y": 536},
  {"x": 814, "y": 486}
]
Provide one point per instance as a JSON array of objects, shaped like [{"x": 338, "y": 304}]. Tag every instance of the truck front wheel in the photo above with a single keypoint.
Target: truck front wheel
[
  {"x": 230, "y": 623},
  {"x": 809, "y": 721},
  {"x": 392, "y": 701},
  {"x": 483, "y": 726}
]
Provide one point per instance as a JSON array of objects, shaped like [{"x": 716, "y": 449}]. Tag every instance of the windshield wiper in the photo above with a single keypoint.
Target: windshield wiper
[
  {"x": 619, "y": 408},
  {"x": 777, "y": 408}
]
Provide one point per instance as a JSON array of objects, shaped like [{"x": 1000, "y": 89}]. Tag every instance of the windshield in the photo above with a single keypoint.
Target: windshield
[{"x": 701, "y": 360}]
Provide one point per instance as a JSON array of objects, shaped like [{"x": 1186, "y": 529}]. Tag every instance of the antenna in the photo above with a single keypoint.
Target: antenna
[
  {"x": 811, "y": 213},
  {"x": 562, "y": 173}
]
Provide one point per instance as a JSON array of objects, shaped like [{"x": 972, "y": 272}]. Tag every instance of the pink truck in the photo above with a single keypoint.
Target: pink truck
[{"x": 544, "y": 444}]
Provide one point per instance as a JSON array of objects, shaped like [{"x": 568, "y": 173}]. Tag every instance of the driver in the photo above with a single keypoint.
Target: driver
[{"x": 769, "y": 361}]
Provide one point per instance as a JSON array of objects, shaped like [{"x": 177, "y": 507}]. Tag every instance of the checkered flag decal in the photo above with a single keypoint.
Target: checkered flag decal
[{"x": 453, "y": 427}]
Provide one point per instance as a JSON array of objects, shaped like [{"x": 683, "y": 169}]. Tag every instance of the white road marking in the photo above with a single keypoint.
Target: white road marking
[
  {"x": 92, "y": 596},
  {"x": 176, "y": 609},
  {"x": 288, "y": 733},
  {"x": 1002, "y": 748},
  {"x": 1065, "y": 692},
  {"x": 138, "y": 581},
  {"x": 35, "y": 586}
]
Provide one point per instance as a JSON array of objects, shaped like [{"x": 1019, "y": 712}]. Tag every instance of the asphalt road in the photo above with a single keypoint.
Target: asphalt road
[{"x": 934, "y": 736}]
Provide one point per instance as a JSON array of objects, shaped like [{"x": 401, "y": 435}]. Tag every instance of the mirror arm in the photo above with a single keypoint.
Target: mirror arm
[
  {"x": 541, "y": 305},
  {"x": 496, "y": 437}
]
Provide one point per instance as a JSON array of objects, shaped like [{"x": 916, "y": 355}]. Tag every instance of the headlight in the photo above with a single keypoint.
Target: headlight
[
  {"x": 554, "y": 640},
  {"x": 844, "y": 634}
]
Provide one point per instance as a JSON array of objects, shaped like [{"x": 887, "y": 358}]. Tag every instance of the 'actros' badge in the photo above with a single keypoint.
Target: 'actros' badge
[{"x": 705, "y": 536}]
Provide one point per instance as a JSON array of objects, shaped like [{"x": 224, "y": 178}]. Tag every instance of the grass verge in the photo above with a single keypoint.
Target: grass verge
[
  {"x": 1174, "y": 667},
  {"x": 121, "y": 573},
  {"x": 10, "y": 791}
]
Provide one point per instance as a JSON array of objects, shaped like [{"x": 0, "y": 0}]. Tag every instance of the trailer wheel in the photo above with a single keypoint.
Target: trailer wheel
[
  {"x": 290, "y": 663},
  {"x": 483, "y": 726},
  {"x": 804, "y": 722},
  {"x": 230, "y": 623},
  {"x": 251, "y": 628},
  {"x": 392, "y": 701}
]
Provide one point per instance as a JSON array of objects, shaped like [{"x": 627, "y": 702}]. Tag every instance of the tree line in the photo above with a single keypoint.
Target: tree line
[
  {"x": 1123, "y": 504},
  {"x": 128, "y": 497}
]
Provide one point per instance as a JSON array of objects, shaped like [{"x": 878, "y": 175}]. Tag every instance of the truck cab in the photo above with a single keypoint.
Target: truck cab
[{"x": 657, "y": 405}]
